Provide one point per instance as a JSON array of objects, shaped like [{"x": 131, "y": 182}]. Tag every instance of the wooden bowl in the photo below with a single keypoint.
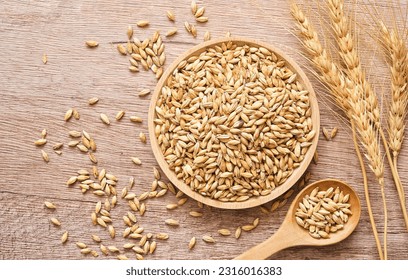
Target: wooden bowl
[{"x": 253, "y": 201}]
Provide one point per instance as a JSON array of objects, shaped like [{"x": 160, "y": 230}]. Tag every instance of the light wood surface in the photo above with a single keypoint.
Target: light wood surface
[
  {"x": 34, "y": 96},
  {"x": 291, "y": 235},
  {"x": 254, "y": 201}
]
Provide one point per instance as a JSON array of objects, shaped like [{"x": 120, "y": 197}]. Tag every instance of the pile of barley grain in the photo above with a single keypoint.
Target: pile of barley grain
[
  {"x": 233, "y": 122},
  {"x": 323, "y": 212}
]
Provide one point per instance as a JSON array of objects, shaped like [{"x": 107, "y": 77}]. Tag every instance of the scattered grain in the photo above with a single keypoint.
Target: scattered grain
[
  {"x": 208, "y": 239},
  {"x": 64, "y": 237},
  {"x": 55, "y": 221},
  {"x": 105, "y": 118},
  {"x": 91, "y": 44},
  {"x": 192, "y": 243},
  {"x": 142, "y": 23}
]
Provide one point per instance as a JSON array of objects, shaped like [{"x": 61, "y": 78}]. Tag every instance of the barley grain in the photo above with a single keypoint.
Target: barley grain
[
  {"x": 142, "y": 23},
  {"x": 96, "y": 238},
  {"x": 93, "y": 100},
  {"x": 136, "y": 160},
  {"x": 55, "y": 221},
  {"x": 64, "y": 237},
  {"x": 113, "y": 249},
  {"x": 208, "y": 239},
  {"x": 81, "y": 245},
  {"x": 119, "y": 115},
  {"x": 171, "y": 206},
  {"x": 49, "y": 205},
  {"x": 333, "y": 132},
  {"x": 207, "y": 36},
  {"x": 91, "y": 44},
  {"x": 136, "y": 119},
  {"x": 171, "y": 32},
  {"x": 192, "y": 243},
  {"x": 68, "y": 115},
  {"x": 104, "y": 250},
  {"x": 162, "y": 236},
  {"x": 224, "y": 232},
  {"x": 238, "y": 232},
  {"x": 40, "y": 142},
  {"x": 104, "y": 118},
  {"x": 121, "y": 49},
  {"x": 144, "y": 92},
  {"x": 170, "y": 16},
  {"x": 172, "y": 222},
  {"x": 45, "y": 156},
  {"x": 44, "y": 59},
  {"x": 326, "y": 133}
]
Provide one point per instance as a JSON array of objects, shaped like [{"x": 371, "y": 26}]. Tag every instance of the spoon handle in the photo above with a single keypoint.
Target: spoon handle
[{"x": 280, "y": 240}]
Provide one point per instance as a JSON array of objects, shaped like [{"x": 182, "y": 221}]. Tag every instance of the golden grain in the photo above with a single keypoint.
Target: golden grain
[
  {"x": 224, "y": 232},
  {"x": 142, "y": 209},
  {"x": 119, "y": 115},
  {"x": 40, "y": 142},
  {"x": 64, "y": 237},
  {"x": 171, "y": 206},
  {"x": 142, "y": 137},
  {"x": 44, "y": 58},
  {"x": 194, "y": 7},
  {"x": 113, "y": 249},
  {"x": 93, "y": 100},
  {"x": 45, "y": 156},
  {"x": 208, "y": 239},
  {"x": 142, "y": 23},
  {"x": 326, "y": 133},
  {"x": 136, "y": 119},
  {"x": 129, "y": 32},
  {"x": 121, "y": 49},
  {"x": 104, "y": 250},
  {"x": 55, "y": 221},
  {"x": 202, "y": 19},
  {"x": 104, "y": 118},
  {"x": 192, "y": 243},
  {"x": 111, "y": 231},
  {"x": 152, "y": 248},
  {"x": 81, "y": 245},
  {"x": 162, "y": 236},
  {"x": 171, "y": 32},
  {"x": 68, "y": 115},
  {"x": 207, "y": 36},
  {"x": 172, "y": 222},
  {"x": 144, "y": 92},
  {"x": 171, "y": 16},
  {"x": 136, "y": 160},
  {"x": 91, "y": 44},
  {"x": 238, "y": 232},
  {"x": 75, "y": 114},
  {"x": 333, "y": 132},
  {"x": 195, "y": 214},
  {"x": 96, "y": 238},
  {"x": 49, "y": 205},
  {"x": 101, "y": 222}
]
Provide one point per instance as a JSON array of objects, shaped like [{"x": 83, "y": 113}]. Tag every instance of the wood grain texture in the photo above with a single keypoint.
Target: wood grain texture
[{"x": 34, "y": 96}]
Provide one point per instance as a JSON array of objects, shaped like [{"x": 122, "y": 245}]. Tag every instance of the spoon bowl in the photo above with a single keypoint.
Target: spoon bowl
[{"x": 290, "y": 234}]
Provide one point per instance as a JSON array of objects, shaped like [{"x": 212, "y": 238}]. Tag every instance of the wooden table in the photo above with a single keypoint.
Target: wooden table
[{"x": 34, "y": 96}]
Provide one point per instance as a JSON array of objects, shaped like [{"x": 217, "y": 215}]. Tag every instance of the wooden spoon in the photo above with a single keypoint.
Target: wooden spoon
[{"x": 290, "y": 234}]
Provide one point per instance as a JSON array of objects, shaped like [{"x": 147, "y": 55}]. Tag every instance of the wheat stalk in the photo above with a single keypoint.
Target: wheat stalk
[
  {"x": 398, "y": 54},
  {"x": 363, "y": 99},
  {"x": 341, "y": 90}
]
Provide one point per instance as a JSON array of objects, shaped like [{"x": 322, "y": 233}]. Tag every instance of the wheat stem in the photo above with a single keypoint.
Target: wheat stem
[
  {"x": 349, "y": 99},
  {"x": 397, "y": 179},
  {"x": 366, "y": 192}
]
